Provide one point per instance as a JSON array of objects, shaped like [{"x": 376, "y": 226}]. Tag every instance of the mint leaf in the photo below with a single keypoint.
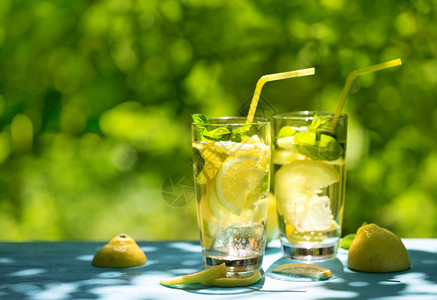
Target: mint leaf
[
  {"x": 218, "y": 134},
  {"x": 242, "y": 129},
  {"x": 317, "y": 146},
  {"x": 242, "y": 132},
  {"x": 199, "y": 118},
  {"x": 316, "y": 123},
  {"x": 198, "y": 162},
  {"x": 236, "y": 138},
  {"x": 201, "y": 123},
  {"x": 224, "y": 133}
]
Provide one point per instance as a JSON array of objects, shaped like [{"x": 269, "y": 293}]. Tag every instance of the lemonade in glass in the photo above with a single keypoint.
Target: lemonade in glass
[
  {"x": 231, "y": 161},
  {"x": 309, "y": 182}
]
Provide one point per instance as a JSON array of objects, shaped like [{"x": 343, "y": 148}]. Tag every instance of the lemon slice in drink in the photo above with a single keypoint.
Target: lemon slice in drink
[
  {"x": 305, "y": 176},
  {"x": 197, "y": 277},
  {"x": 237, "y": 178},
  {"x": 305, "y": 270},
  {"x": 218, "y": 211},
  {"x": 235, "y": 279},
  {"x": 283, "y": 157},
  {"x": 213, "y": 156},
  {"x": 209, "y": 226},
  {"x": 209, "y": 229}
]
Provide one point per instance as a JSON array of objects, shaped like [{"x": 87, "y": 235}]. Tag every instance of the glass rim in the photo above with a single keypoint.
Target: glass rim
[
  {"x": 257, "y": 121},
  {"x": 307, "y": 114}
]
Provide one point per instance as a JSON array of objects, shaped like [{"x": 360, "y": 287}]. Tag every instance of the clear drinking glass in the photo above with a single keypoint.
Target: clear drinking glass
[
  {"x": 309, "y": 182},
  {"x": 231, "y": 171}
]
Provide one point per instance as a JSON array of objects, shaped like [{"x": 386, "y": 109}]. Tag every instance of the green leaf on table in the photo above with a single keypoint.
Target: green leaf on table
[{"x": 347, "y": 240}]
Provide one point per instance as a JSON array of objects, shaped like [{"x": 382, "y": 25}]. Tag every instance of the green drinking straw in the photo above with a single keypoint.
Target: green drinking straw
[{"x": 272, "y": 77}]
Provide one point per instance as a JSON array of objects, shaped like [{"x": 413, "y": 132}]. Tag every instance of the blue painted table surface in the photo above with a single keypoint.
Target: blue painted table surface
[{"x": 63, "y": 270}]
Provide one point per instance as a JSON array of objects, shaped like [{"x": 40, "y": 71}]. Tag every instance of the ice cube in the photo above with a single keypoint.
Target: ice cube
[
  {"x": 310, "y": 213},
  {"x": 240, "y": 241}
]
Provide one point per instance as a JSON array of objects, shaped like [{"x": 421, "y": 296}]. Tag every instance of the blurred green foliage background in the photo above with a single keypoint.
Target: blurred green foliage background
[{"x": 96, "y": 97}]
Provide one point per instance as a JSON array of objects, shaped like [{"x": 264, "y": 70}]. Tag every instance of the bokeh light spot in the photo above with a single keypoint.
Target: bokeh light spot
[{"x": 22, "y": 133}]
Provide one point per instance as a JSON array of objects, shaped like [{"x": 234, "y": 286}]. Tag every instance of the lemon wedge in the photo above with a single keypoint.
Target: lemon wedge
[
  {"x": 305, "y": 270},
  {"x": 235, "y": 279},
  {"x": 238, "y": 177},
  {"x": 197, "y": 277}
]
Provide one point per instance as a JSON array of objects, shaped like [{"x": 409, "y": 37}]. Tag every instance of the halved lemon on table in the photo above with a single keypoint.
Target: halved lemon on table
[
  {"x": 304, "y": 270},
  {"x": 121, "y": 252},
  {"x": 237, "y": 178}
]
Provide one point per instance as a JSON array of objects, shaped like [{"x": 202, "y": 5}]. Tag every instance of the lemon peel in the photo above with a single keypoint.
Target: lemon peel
[
  {"x": 235, "y": 279},
  {"x": 197, "y": 277},
  {"x": 305, "y": 270}
]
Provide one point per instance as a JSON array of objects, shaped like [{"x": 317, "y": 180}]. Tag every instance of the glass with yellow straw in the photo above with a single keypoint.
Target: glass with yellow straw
[
  {"x": 309, "y": 158},
  {"x": 232, "y": 163}
]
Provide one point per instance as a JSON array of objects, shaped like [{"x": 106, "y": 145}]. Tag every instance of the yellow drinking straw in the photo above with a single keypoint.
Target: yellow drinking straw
[
  {"x": 272, "y": 77},
  {"x": 351, "y": 77}
]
